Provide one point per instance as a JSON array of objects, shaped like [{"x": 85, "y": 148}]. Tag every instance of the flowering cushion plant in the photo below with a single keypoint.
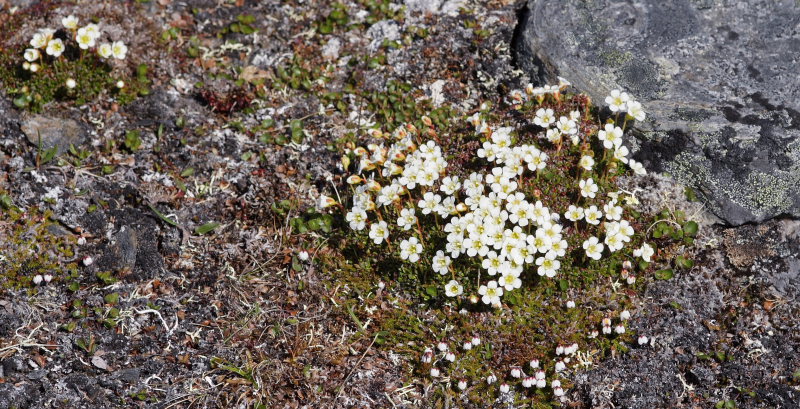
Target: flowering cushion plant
[
  {"x": 71, "y": 62},
  {"x": 533, "y": 208}
]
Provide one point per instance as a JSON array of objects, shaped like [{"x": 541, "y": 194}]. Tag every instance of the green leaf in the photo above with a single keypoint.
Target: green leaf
[
  {"x": 664, "y": 274},
  {"x": 431, "y": 290},
  {"x": 690, "y": 228},
  {"x": 563, "y": 284},
  {"x": 166, "y": 219},
  {"x": 187, "y": 172},
  {"x": 112, "y": 298},
  {"x": 684, "y": 262},
  {"x": 206, "y": 228}
]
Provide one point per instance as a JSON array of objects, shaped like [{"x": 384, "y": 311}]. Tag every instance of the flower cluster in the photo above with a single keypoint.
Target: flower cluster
[
  {"x": 534, "y": 203},
  {"x": 490, "y": 217},
  {"x": 47, "y": 42}
]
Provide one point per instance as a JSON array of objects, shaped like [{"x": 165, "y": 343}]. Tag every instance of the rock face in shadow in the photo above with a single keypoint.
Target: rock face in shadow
[{"x": 719, "y": 81}]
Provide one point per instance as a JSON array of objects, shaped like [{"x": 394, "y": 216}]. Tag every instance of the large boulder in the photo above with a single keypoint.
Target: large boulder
[{"x": 720, "y": 82}]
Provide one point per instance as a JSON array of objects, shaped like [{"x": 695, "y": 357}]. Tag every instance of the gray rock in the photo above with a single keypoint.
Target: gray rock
[
  {"x": 719, "y": 81},
  {"x": 53, "y": 132}
]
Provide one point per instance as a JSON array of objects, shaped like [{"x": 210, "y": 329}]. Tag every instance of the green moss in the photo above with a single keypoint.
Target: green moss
[{"x": 30, "y": 247}]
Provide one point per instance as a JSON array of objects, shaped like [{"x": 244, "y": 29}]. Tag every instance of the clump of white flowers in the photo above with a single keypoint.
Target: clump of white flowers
[
  {"x": 490, "y": 218},
  {"x": 48, "y": 45},
  {"x": 489, "y": 227}
]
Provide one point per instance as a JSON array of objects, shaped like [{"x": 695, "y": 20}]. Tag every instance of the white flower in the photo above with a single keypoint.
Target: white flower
[
  {"x": 510, "y": 282},
  {"x": 491, "y": 379},
  {"x": 635, "y": 110},
  {"x": 429, "y": 202},
  {"x": 441, "y": 263},
  {"x": 48, "y": 278},
  {"x": 643, "y": 340},
  {"x": 476, "y": 340},
  {"x": 410, "y": 249},
  {"x": 85, "y": 39},
  {"x": 92, "y": 29},
  {"x": 379, "y": 232},
  {"x": 593, "y": 247},
  {"x": 105, "y": 51},
  {"x": 303, "y": 255},
  {"x": 588, "y": 188},
  {"x": 534, "y": 363},
  {"x": 544, "y": 117},
  {"x": 491, "y": 293},
  {"x": 613, "y": 212},
  {"x": 427, "y": 356},
  {"x": 645, "y": 252},
  {"x": 325, "y": 202},
  {"x": 574, "y": 213},
  {"x": 120, "y": 84},
  {"x": 625, "y": 315},
  {"x": 434, "y": 372},
  {"x": 450, "y": 356},
  {"x": 592, "y": 215},
  {"x": 70, "y": 22},
  {"x": 560, "y": 366},
  {"x": 55, "y": 47},
  {"x": 442, "y": 346},
  {"x": 619, "y": 329},
  {"x": 570, "y": 304},
  {"x": 567, "y": 126},
  {"x": 71, "y": 83},
  {"x": 33, "y": 67},
  {"x": 611, "y": 136},
  {"x": 504, "y": 388},
  {"x": 87, "y": 261},
  {"x": 548, "y": 265},
  {"x": 450, "y": 185},
  {"x": 462, "y": 384},
  {"x": 637, "y": 167},
  {"x": 586, "y": 162},
  {"x": 32, "y": 54},
  {"x": 357, "y": 218},
  {"x": 558, "y": 392},
  {"x": 406, "y": 219},
  {"x": 621, "y": 154},
  {"x": 528, "y": 382},
  {"x": 37, "y": 279},
  {"x": 617, "y": 100},
  {"x": 39, "y": 40},
  {"x": 119, "y": 50},
  {"x": 614, "y": 241}
]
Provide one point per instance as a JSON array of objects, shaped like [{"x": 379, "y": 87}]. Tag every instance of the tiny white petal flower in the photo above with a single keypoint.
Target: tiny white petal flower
[
  {"x": 87, "y": 261},
  {"x": 453, "y": 289},
  {"x": 32, "y": 54},
  {"x": 72, "y": 84},
  {"x": 105, "y": 51},
  {"x": 55, "y": 47},
  {"x": 119, "y": 50},
  {"x": 70, "y": 22}
]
